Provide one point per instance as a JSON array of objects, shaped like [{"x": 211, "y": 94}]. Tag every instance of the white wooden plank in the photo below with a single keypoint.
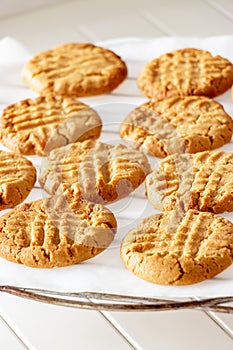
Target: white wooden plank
[
  {"x": 8, "y": 340},
  {"x": 224, "y": 6},
  {"x": 115, "y": 26},
  {"x": 50, "y": 327},
  {"x": 176, "y": 330},
  {"x": 76, "y": 21},
  {"x": 11, "y": 7},
  {"x": 44, "y": 28},
  {"x": 38, "y": 39},
  {"x": 227, "y": 319},
  {"x": 185, "y": 18}
]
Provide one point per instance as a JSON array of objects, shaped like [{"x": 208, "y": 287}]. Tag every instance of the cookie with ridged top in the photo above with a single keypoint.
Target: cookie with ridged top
[
  {"x": 75, "y": 69},
  {"x": 186, "y": 72},
  {"x": 36, "y": 126},
  {"x": 179, "y": 249},
  {"x": 100, "y": 172},
  {"x": 201, "y": 181},
  {"x": 54, "y": 232},
  {"x": 177, "y": 125},
  {"x": 17, "y": 178}
]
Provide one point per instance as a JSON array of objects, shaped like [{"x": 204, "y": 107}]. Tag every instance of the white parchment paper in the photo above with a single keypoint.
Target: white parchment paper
[{"x": 106, "y": 272}]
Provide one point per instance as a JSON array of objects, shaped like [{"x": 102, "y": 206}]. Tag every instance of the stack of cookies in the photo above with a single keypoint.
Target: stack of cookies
[{"x": 187, "y": 243}]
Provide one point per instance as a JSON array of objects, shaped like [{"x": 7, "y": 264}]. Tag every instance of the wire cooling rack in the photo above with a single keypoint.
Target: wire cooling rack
[{"x": 115, "y": 302}]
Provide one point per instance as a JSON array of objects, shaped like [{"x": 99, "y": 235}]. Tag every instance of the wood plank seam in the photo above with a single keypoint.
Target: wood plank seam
[
  {"x": 217, "y": 6},
  {"x": 13, "y": 332}
]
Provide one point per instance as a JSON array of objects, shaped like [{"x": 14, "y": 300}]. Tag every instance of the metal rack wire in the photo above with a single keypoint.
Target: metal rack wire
[{"x": 115, "y": 302}]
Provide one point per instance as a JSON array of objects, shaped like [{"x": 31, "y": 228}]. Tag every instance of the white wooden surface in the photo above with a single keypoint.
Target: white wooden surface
[{"x": 30, "y": 325}]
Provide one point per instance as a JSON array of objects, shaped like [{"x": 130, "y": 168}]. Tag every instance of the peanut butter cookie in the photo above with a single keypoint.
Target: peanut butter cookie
[
  {"x": 53, "y": 232},
  {"x": 165, "y": 250},
  {"x": 18, "y": 176},
  {"x": 101, "y": 172},
  {"x": 177, "y": 125},
  {"x": 186, "y": 72},
  {"x": 201, "y": 181},
  {"x": 75, "y": 70},
  {"x": 36, "y": 126}
]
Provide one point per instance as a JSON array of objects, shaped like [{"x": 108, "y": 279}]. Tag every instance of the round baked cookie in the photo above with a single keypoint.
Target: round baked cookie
[
  {"x": 165, "y": 250},
  {"x": 201, "y": 181},
  {"x": 177, "y": 125},
  {"x": 36, "y": 126},
  {"x": 52, "y": 232},
  {"x": 18, "y": 176},
  {"x": 75, "y": 69},
  {"x": 185, "y": 72},
  {"x": 97, "y": 171}
]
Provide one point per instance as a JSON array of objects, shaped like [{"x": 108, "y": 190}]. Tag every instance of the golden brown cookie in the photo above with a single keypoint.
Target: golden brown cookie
[
  {"x": 36, "y": 126},
  {"x": 201, "y": 181},
  {"x": 75, "y": 70},
  {"x": 18, "y": 176},
  {"x": 100, "y": 172},
  {"x": 177, "y": 125},
  {"x": 186, "y": 72},
  {"x": 53, "y": 232},
  {"x": 165, "y": 250}
]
